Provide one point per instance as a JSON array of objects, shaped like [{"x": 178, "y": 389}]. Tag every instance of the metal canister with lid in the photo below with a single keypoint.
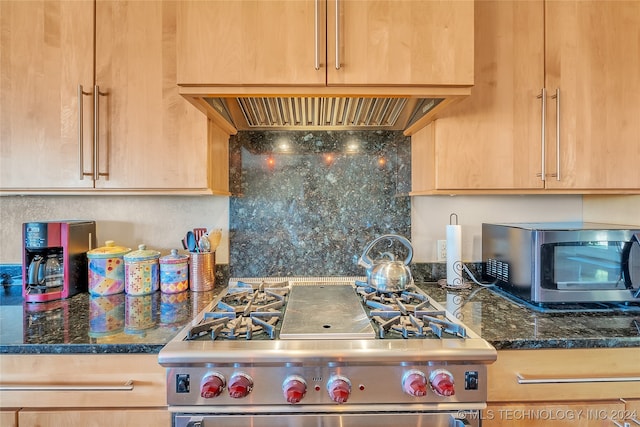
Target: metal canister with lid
[
  {"x": 174, "y": 273},
  {"x": 106, "y": 269},
  {"x": 142, "y": 271}
]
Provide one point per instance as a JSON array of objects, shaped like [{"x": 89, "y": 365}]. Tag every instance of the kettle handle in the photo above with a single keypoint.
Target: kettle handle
[{"x": 366, "y": 262}]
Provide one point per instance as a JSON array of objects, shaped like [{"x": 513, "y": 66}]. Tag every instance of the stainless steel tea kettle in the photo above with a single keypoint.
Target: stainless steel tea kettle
[{"x": 387, "y": 275}]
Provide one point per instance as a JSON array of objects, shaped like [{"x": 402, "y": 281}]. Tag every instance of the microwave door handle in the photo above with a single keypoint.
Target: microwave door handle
[{"x": 626, "y": 267}]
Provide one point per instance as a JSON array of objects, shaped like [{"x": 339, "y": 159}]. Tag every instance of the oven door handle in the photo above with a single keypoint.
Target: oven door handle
[{"x": 524, "y": 379}]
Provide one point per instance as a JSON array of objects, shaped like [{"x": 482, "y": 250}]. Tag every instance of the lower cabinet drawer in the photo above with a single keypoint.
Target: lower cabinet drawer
[
  {"x": 564, "y": 375},
  {"x": 95, "y": 418},
  {"x": 570, "y": 414},
  {"x": 82, "y": 381}
]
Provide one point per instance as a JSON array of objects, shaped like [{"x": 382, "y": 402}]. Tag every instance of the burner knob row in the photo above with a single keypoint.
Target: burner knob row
[
  {"x": 212, "y": 385},
  {"x": 294, "y": 387},
  {"x": 414, "y": 383}
]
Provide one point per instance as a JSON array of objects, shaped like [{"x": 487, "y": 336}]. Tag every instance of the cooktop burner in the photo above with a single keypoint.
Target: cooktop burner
[{"x": 310, "y": 310}]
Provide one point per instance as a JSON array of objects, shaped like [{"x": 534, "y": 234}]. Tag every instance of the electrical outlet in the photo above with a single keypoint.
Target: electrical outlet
[{"x": 441, "y": 250}]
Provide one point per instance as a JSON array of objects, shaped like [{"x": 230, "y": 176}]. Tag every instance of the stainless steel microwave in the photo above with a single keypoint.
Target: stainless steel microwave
[{"x": 563, "y": 262}]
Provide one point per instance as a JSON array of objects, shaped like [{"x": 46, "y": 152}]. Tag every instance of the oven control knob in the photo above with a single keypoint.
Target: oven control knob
[
  {"x": 339, "y": 388},
  {"x": 414, "y": 383},
  {"x": 212, "y": 385},
  {"x": 294, "y": 388},
  {"x": 240, "y": 385},
  {"x": 441, "y": 382}
]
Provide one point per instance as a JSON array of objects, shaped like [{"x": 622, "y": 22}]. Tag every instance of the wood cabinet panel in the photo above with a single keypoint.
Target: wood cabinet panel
[
  {"x": 632, "y": 410},
  {"x": 493, "y": 140},
  {"x": 575, "y": 414},
  {"x": 401, "y": 42},
  {"x": 95, "y": 418},
  {"x": 97, "y": 371},
  {"x": 569, "y": 364},
  {"x": 562, "y": 387},
  {"x": 251, "y": 42},
  {"x": 150, "y": 137},
  {"x": 589, "y": 58},
  {"x": 9, "y": 418},
  {"x": 298, "y": 43},
  {"x": 46, "y": 51}
]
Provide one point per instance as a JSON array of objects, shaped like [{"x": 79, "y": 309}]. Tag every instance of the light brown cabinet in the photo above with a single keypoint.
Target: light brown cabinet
[
  {"x": 9, "y": 417},
  {"x": 47, "y": 51},
  {"x": 494, "y": 141},
  {"x": 560, "y": 387},
  {"x": 93, "y": 418},
  {"x": 632, "y": 411},
  {"x": 138, "y": 135},
  {"x": 89, "y": 390},
  {"x": 325, "y": 42}
]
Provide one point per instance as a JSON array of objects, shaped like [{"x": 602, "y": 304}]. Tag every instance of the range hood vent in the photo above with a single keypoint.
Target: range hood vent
[
  {"x": 322, "y": 108},
  {"x": 268, "y": 113}
]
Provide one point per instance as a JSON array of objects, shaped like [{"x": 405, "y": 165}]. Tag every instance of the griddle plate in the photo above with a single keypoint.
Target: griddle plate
[{"x": 325, "y": 312}]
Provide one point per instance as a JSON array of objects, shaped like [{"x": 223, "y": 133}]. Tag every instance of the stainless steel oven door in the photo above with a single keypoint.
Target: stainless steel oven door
[{"x": 368, "y": 419}]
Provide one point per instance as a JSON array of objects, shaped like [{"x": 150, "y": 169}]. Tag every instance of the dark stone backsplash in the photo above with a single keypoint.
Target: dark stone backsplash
[{"x": 305, "y": 203}]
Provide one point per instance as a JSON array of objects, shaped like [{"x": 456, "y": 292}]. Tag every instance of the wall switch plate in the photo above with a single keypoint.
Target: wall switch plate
[{"x": 441, "y": 250}]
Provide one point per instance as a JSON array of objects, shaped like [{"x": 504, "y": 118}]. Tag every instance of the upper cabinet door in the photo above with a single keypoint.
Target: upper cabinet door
[
  {"x": 400, "y": 42},
  {"x": 492, "y": 139},
  {"x": 593, "y": 58},
  {"x": 149, "y": 136},
  {"x": 46, "y": 52},
  {"x": 251, "y": 42}
]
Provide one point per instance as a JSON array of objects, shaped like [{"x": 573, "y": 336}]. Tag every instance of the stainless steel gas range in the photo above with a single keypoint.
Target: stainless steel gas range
[{"x": 325, "y": 351}]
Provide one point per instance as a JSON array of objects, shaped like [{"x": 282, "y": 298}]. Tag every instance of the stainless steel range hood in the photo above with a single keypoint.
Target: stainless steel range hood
[{"x": 342, "y": 109}]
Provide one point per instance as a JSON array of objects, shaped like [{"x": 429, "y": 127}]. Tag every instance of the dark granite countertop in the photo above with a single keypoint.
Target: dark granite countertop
[
  {"x": 93, "y": 325},
  {"x": 509, "y": 324},
  {"x": 124, "y": 324}
]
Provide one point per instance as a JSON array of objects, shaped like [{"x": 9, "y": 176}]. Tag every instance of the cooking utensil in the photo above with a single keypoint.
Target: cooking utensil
[
  {"x": 191, "y": 241},
  {"x": 387, "y": 275},
  {"x": 214, "y": 237},
  {"x": 204, "y": 245},
  {"x": 199, "y": 232}
]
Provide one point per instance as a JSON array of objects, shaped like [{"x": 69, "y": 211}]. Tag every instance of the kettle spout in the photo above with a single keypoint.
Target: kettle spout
[{"x": 363, "y": 263}]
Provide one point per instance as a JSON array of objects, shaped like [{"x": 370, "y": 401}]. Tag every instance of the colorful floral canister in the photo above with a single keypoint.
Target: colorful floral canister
[
  {"x": 174, "y": 273},
  {"x": 106, "y": 269},
  {"x": 141, "y": 270}
]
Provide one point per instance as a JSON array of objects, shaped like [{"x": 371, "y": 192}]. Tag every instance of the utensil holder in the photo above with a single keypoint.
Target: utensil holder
[{"x": 202, "y": 271}]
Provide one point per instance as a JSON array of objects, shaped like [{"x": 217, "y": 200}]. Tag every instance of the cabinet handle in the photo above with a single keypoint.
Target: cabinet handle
[
  {"x": 128, "y": 386},
  {"x": 557, "y": 98},
  {"x": 81, "y": 92},
  {"x": 337, "y": 36},
  {"x": 317, "y": 35},
  {"x": 522, "y": 379},
  {"x": 543, "y": 96},
  {"x": 96, "y": 134}
]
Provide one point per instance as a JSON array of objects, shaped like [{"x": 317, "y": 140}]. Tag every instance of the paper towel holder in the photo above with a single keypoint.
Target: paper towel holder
[{"x": 451, "y": 219}]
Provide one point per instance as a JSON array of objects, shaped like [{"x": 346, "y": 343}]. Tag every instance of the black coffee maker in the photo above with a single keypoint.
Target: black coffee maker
[{"x": 54, "y": 260}]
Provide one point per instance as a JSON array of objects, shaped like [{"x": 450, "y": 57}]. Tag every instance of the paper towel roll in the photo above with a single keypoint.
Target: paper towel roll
[{"x": 454, "y": 255}]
